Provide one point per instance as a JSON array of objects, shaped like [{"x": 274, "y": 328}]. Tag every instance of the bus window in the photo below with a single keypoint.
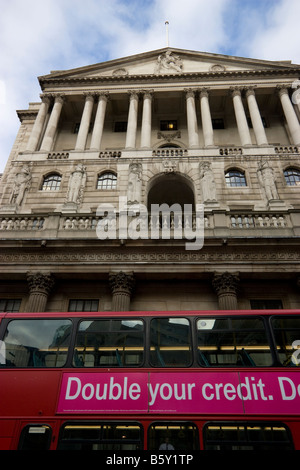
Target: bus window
[
  {"x": 170, "y": 340},
  {"x": 231, "y": 342},
  {"x": 101, "y": 436},
  {"x": 247, "y": 436},
  {"x": 35, "y": 437},
  {"x": 36, "y": 343},
  {"x": 177, "y": 436},
  {"x": 287, "y": 338},
  {"x": 109, "y": 343}
]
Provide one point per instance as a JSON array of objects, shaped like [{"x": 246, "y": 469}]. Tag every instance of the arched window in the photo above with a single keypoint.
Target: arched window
[
  {"x": 51, "y": 182},
  {"x": 107, "y": 181},
  {"x": 235, "y": 178},
  {"x": 292, "y": 176}
]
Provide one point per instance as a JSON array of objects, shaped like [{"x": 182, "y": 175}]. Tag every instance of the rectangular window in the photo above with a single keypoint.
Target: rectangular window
[
  {"x": 173, "y": 436},
  {"x": 170, "y": 342},
  {"x": 287, "y": 338},
  {"x": 83, "y": 305},
  {"x": 218, "y": 123},
  {"x": 10, "y": 305},
  {"x": 109, "y": 343},
  {"x": 266, "y": 304},
  {"x": 169, "y": 125},
  {"x": 101, "y": 436},
  {"x": 120, "y": 126},
  {"x": 36, "y": 343},
  {"x": 232, "y": 342},
  {"x": 247, "y": 436}
]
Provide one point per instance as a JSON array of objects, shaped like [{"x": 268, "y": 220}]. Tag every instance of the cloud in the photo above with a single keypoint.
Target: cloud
[{"x": 39, "y": 36}]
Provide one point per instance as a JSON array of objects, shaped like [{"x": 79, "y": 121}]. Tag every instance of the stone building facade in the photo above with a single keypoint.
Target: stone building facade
[{"x": 108, "y": 141}]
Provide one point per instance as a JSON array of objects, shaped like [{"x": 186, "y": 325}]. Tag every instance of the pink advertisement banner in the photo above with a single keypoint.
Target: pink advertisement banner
[{"x": 196, "y": 392}]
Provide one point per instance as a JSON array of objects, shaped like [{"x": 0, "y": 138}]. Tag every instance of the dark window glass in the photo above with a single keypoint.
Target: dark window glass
[
  {"x": 35, "y": 437},
  {"x": 109, "y": 343},
  {"x": 177, "y": 436},
  {"x": 107, "y": 181},
  {"x": 218, "y": 123},
  {"x": 170, "y": 340},
  {"x": 235, "y": 178},
  {"x": 170, "y": 125},
  {"x": 101, "y": 436},
  {"x": 292, "y": 177},
  {"x": 232, "y": 342},
  {"x": 287, "y": 338},
  {"x": 120, "y": 126},
  {"x": 266, "y": 304},
  {"x": 83, "y": 305},
  {"x": 247, "y": 436},
  {"x": 51, "y": 183},
  {"x": 36, "y": 343},
  {"x": 10, "y": 305}
]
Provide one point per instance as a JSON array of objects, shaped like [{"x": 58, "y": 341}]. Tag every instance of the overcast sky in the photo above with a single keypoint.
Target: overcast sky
[{"x": 37, "y": 36}]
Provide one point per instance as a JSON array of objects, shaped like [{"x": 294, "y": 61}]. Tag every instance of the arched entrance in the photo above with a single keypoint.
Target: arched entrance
[{"x": 170, "y": 189}]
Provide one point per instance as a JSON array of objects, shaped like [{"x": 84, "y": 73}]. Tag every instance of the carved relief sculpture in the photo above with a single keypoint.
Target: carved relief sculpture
[
  {"x": 134, "y": 183},
  {"x": 168, "y": 62},
  {"x": 267, "y": 181},
  {"x": 21, "y": 185},
  {"x": 208, "y": 186},
  {"x": 77, "y": 184}
]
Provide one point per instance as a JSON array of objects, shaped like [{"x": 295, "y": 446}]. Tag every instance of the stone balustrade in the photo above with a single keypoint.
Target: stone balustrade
[{"x": 216, "y": 223}]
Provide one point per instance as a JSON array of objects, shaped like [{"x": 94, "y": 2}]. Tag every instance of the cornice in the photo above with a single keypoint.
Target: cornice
[{"x": 156, "y": 78}]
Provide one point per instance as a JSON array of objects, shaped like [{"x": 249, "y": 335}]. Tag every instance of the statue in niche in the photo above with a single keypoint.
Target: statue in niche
[
  {"x": 77, "y": 184},
  {"x": 207, "y": 180},
  {"x": 168, "y": 62},
  {"x": 21, "y": 185},
  {"x": 267, "y": 181},
  {"x": 134, "y": 190}
]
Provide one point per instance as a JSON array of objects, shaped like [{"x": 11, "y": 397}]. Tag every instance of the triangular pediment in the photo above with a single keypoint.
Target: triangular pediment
[{"x": 170, "y": 61}]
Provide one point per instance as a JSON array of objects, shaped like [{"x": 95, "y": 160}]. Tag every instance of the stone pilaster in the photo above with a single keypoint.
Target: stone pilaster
[
  {"x": 226, "y": 286},
  {"x": 40, "y": 286},
  {"x": 122, "y": 285}
]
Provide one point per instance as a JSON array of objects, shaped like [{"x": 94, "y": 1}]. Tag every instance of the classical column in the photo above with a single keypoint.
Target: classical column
[
  {"x": 226, "y": 286},
  {"x": 52, "y": 124},
  {"x": 208, "y": 132},
  {"x": 122, "y": 285},
  {"x": 40, "y": 286},
  {"x": 240, "y": 116},
  {"x": 290, "y": 115},
  {"x": 85, "y": 122},
  {"x": 38, "y": 124},
  {"x": 132, "y": 120},
  {"x": 146, "y": 119},
  {"x": 99, "y": 121},
  {"x": 257, "y": 123},
  {"x": 192, "y": 119}
]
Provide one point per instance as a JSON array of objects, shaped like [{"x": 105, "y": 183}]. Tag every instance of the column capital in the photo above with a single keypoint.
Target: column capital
[
  {"x": 250, "y": 90},
  {"x": 204, "y": 92},
  {"x": 282, "y": 89},
  {"x": 46, "y": 97},
  {"x": 147, "y": 94},
  {"x": 89, "y": 95},
  {"x": 40, "y": 282},
  {"x": 235, "y": 91},
  {"x": 102, "y": 95},
  {"x": 122, "y": 282},
  {"x": 133, "y": 94},
  {"x": 190, "y": 92},
  {"x": 225, "y": 283}
]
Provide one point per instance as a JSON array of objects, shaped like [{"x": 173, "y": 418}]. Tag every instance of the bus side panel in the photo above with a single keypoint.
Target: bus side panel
[
  {"x": 29, "y": 392},
  {"x": 7, "y": 427}
]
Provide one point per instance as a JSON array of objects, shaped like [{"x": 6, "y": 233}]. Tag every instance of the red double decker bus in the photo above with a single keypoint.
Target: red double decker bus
[{"x": 180, "y": 381}]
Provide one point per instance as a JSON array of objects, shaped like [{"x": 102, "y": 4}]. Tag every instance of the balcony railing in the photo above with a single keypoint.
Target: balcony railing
[{"x": 216, "y": 224}]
